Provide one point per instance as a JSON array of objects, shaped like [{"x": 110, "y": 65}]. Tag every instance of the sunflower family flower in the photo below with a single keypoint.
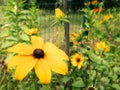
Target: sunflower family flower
[
  {"x": 77, "y": 60},
  {"x": 31, "y": 31},
  {"x": 105, "y": 18},
  {"x": 59, "y": 13},
  {"x": 101, "y": 46},
  {"x": 40, "y": 56}
]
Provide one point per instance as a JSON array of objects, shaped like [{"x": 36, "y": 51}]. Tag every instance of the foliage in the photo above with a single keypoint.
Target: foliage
[{"x": 100, "y": 70}]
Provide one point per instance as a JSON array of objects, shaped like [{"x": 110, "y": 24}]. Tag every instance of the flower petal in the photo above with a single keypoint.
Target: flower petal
[
  {"x": 57, "y": 65},
  {"x": 51, "y": 50},
  {"x": 21, "y": 49},
  {"x": 14, "y": 61},
  {"x": 37, "y": 42},
  {"x": 74, "y": 62},
  {"x": 43, "y": 72},
  {"x": 23, "y": 69}
]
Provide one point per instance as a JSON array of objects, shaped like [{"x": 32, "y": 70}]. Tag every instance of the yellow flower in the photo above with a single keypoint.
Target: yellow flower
[
  {"x": 43, "y": 57},
  {"x": 77, "y": 60},
  {"x": 102, "y": 46},
  {"x": 94, "y": 2},
  {"x": 107, "y": 48},
  {"x": 105, "y": 18},
  {"x": 59, "y": 14},
  {"x": 111, "y": 16},
  {"x": 31, "y": 31}
]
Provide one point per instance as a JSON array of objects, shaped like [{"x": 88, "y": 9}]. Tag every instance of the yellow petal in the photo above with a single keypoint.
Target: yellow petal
[
  {"x": 43, "y": 72},
  {"x": 57, "y": 65},
  {"x": 74, "y": 62},
  {"x": 37, "y": 42},
  {"x": 23, "y": 69},
  {"x": 21, "y": 49},
  {"x": 51, "y": 50},
  {"x": 14, "y": 61}
]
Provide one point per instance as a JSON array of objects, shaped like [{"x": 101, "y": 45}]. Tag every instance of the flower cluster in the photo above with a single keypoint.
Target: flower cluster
[{"x": 101, "y": 46}]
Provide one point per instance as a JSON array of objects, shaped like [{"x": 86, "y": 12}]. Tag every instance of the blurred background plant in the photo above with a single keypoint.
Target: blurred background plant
[
  {"x": 99, "y": 70},
  {"x": 99, "y": 49}
]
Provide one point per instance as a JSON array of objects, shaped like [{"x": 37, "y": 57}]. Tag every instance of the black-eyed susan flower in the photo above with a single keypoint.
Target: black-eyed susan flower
[
  {"x": 77, "y": 60},
  {"x": 31, "y": 31},
  {"x": 101, "y": 46},
  {"x": 43, "y": 57},
  {"x": 59, "y": 13}
]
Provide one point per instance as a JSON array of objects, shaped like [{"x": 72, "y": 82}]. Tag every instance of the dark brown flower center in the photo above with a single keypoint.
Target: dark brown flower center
[
  {"x": 38, "y": 53},
  {"x": 78, "y": 60},
  {"x": 91, "y": 88}
]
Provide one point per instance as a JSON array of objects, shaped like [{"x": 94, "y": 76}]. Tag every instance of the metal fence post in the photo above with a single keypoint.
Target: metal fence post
[
  {"x": 84, "y": 17},
  {"x": 66, "y": 27}
]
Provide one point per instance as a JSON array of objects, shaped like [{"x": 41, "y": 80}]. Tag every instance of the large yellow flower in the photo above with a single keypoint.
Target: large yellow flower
[
  {"x": 59, "y": 14},
  {"x": 102, "y": 46},
  {"x": 31, "y": 31},
  {"x": 43, "y": 57},
  {"x": 77, "y": 60}
]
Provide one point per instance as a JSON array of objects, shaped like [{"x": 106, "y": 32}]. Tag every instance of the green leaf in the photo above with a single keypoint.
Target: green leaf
[
  {"x": 116, "y": 86},
  {"x": 78, "y": 83},
  {"x": 105, "y": 80},
  {"x": 9, "y": 56},
  {"x": 65, "y": 79},
  {"x": 7, "y": 44},
  {"x": 24, "y": 37},
  {"x": 32, "y": 87},
  {"x": 95, "y": 58},
  {"x": 117, "y": 39}
]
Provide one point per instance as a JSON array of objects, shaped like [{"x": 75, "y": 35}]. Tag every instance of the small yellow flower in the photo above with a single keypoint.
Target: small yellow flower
[
  {"x": 94, "y": 2},
  {"x": 111, "y": 16},
  {"x": 43, "y": 57},
  {"x": 102, "y": 46},
  {"x": 107, "y": 48},
  {"x": 77, "y": 60},
  {"x": 59, "y": 13},
  {"x": 105, "y": 18},
  {"x": 31, "y": 31}
]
